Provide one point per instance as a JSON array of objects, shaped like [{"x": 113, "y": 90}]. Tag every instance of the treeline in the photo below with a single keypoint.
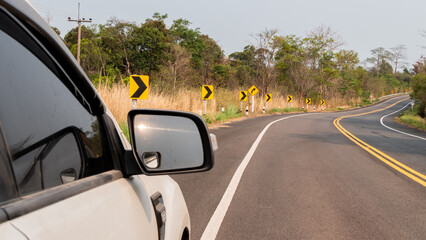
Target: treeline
[{"x": 180, "y": 56}]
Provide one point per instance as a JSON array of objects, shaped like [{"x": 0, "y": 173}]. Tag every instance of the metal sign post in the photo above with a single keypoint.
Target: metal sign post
[
  {"x": 206, "y": 94},
  {"x": 308, "y": 101},
  {"x": 253, "y": 91},
  {"x": 289, "y": 100},
  {"x": 242, "y": 97},
  {"x": 268, "y": 98},
  {"x": 252, "y": 104}
]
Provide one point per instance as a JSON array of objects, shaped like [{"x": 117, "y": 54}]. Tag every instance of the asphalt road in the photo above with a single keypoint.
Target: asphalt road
[{"x": 306, "y": 180}]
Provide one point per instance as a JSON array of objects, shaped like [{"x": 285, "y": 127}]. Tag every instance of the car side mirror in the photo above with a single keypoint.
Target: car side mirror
[{"x": 165, "y": 142}]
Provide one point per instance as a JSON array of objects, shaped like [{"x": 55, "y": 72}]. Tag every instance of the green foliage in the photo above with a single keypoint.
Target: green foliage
[
  {"x": 125, "y": 130},
  {"x": 419, "y": 93},
  {"x": 284, "y": 110},
  {"x": 244, "y": 64},
  {"x": 412, "y": 118},
  {"x": 188, "y": 38},
  {"x": 56, "y": 30},
  {"x": 147, "y": 46},
  {"x": 221, "y": 74}
]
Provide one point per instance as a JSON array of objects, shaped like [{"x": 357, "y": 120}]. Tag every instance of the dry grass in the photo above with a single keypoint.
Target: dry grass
[{"x": 117, "y": 100}]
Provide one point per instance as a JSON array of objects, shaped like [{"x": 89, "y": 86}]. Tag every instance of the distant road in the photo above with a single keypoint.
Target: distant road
[{"x": 304, "y": 179}]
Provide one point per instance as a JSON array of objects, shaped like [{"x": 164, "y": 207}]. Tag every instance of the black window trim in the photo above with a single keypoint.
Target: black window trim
[{"x": 30, "y": 203}]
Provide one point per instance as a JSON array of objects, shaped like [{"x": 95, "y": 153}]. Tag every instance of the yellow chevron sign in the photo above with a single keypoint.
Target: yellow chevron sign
[
  {"x": 139, "y": 87},
  {"x": 268, "y": 97},
  {"x": 243, "y": 96},
  {"x": 207, "y": 92}
]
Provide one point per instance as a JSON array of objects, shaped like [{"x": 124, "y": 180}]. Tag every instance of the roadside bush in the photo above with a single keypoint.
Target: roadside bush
[
  {"x": 411, "y": 118},
  {"x": 419, "y": 93}
]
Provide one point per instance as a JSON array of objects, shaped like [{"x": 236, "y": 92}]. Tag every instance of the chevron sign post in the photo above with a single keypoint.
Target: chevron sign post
[{"x": 206, "y": 94}]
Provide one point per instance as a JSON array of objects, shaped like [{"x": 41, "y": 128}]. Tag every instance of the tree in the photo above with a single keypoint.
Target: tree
[
  {"x": 178, "y": 62},
  {"x": 350, "y": 75},
  {"x": 398, "y": 53},
  {"x": 211, "y": 55},
  {"x": 346, "y": 60},
  {"x": 267, "y": 46},
  {"x": 322, "y": 43},
  {"x": 188, "y": 38},
  {"x": 92, "y": 56},
  {"x": 293, "y": 63},
  {"x": 148, "y": 44},
  {"x": 380, "y": 55},
  {"x": 115, "y": 40},
  {"x": 244, "y": 64}
]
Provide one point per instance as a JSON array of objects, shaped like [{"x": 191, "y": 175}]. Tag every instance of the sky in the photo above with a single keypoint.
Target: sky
[{"x": 363, "y": 25}]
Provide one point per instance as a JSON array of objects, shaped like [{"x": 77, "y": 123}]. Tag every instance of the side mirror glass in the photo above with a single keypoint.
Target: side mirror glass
[{"x": 170, "y": 141}]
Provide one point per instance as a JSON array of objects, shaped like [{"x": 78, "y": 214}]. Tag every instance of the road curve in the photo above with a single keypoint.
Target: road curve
[{"x": 306, "y": 180}]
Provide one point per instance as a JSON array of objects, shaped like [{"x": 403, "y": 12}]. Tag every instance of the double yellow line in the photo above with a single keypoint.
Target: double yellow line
[{"x": 407, "y": 171}]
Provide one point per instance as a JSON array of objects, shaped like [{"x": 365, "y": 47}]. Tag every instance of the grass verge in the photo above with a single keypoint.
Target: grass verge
[
  {"x": 231, "y": 111},
  {"x": 125, "y": 129},
  {"x": 284, "y": 110},
  {"x": 411, "y": 118}
]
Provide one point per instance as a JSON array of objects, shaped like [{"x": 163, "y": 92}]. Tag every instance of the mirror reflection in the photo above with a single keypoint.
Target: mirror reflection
[
  {"x": 151, "y": 159},
  {"x": 167, "y": 142}
]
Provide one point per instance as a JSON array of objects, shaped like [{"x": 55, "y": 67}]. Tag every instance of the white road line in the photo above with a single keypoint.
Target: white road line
[
  {"x": 216, "y": 220},
  {"x": 411, "y": 135}
]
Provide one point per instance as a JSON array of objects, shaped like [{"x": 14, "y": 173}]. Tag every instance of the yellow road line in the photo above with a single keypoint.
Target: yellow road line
[{"x": 407, "y": 171}]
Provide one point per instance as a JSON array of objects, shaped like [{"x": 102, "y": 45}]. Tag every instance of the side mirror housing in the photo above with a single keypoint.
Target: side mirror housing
[{"x": 168, "y": 142}]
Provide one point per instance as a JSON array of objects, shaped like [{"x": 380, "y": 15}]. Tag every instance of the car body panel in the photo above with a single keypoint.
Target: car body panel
[
  {"x": 112, "y": 211},
  {"x": 7, "y": 231},
  {"x": 177, "y": 212}
]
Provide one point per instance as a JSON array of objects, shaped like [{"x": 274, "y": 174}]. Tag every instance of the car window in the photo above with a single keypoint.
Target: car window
[{"x": 51, "y": 137}]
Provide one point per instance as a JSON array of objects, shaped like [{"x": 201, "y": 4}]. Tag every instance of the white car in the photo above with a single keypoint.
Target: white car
[{"x": 66, "y": 170}]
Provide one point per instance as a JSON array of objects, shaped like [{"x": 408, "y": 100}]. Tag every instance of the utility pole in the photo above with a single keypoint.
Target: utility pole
[{"x": 79, "y": 21}]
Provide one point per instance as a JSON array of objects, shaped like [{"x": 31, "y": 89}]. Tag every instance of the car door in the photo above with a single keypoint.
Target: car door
[{"x": 64, "y": 181}]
